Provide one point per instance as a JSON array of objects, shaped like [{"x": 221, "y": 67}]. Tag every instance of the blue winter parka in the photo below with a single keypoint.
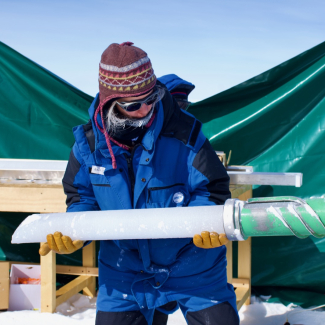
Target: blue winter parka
[{"x": 174, "y": 165}]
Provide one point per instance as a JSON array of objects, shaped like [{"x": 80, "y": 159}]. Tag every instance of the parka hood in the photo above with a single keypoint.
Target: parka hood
[{"x": 175, "y": 83}]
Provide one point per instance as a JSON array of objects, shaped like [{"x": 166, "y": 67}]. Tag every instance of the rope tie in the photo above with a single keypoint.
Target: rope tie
[{"x": 108, "y": 138}]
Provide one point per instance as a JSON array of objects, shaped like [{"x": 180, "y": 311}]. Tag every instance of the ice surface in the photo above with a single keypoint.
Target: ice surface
[{"x": 122, "y": 224}]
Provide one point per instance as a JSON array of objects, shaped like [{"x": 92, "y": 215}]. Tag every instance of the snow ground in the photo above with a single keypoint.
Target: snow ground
[{"x": 81, "y": 310}]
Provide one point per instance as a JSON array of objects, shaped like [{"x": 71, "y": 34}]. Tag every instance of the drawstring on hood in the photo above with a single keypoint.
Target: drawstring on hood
[{"x": 108, "y": 138}]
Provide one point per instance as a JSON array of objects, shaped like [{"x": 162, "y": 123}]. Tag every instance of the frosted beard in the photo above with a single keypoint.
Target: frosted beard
[
  {"x": 121, "y": 126},
  {"x": 115, "y": 121}
]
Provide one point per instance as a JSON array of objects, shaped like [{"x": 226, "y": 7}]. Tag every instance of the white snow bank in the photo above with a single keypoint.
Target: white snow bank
[
  {"x": 277, "y": 314},
  {"x": 81, "y": 310},
  {"x": 78, "y": 309}
]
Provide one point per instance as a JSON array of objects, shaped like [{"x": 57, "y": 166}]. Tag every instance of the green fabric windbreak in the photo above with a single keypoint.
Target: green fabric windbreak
[
  {"x": 37, "y": 113},
  {"x": 275, "y": 122},
  {"x": 37, "y": 110}
]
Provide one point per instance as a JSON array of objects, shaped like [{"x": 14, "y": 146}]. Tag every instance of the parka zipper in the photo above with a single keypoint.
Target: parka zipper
[
  {"x": 162, "y": 188},
  {"x": 129, "y": 160}
]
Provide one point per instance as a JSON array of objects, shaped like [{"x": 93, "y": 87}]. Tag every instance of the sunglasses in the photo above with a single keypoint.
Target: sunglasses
[{"x": 136, "y": 105}]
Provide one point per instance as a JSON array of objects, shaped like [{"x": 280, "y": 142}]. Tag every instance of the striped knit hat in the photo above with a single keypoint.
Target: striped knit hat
[{"x": 124, "y": 71}]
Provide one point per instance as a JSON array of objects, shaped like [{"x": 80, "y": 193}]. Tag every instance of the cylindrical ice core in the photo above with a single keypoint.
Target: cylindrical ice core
[{"x": 181, "y": 222}]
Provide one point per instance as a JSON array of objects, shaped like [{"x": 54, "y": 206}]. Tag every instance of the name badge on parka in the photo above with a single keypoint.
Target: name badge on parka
[{"x": 97, "y": 170}]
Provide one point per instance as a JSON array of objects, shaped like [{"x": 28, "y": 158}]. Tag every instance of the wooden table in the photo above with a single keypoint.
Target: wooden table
[
  {"x": 35, "y": 198},
  {"x": 242, "y": 284}
]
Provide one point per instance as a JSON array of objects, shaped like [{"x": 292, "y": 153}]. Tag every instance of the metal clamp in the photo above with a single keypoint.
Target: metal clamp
[{"x": 231, "y": 219}]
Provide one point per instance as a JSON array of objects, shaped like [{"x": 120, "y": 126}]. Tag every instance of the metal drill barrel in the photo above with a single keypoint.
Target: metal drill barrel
[{"x": 282, "y": 216}]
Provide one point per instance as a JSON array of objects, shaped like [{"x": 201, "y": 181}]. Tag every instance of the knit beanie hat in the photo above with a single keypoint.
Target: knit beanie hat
[{"x": 124, "y": 71}]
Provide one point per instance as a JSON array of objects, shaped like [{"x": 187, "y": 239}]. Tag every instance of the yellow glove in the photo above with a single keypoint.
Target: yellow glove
[
  {"x": 60, "y": 244},
  {"x": 209, "y": 240}
]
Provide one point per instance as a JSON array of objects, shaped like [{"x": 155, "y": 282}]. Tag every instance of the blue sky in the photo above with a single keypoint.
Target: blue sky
[{"x": 213, "y": 44}]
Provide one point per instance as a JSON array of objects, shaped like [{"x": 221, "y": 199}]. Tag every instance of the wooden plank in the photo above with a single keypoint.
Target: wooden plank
[
  {"x": 89, "y": 260},
  {"x": 29, "y": 184},
  {"x": 245, "y": 262},
  {"x": 229, "y": 262},
  {"x": 243, "y": 192},
  {"x": 76, "y": 270},
  {"x": 13, "y": 262},
  {"x": 247, "y": 194},
  {"x": 77, "y": 282},
  {"x": 222, "y": 158},
  {"x": 72, "y": 270},
  {"x": 4, "y": 285},
  {"x": 72, "y": 288},
  {"x": 240, "y": 283},
  {"x": 48, "y": 283},
  {"x": 32, "y": 199},
  {"x": 245, "y": 252},
  {"x": 66, "y": 269},
  {"x": 238, "y": 190},
  {"x": 86, "y": 291},
  {"x": 242, "y": 295}
]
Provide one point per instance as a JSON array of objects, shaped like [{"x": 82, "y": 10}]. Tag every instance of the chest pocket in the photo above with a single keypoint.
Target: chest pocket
[
  {"x": 111, "y": 193},
  {"x": 101, "y": 189},
  {"x": 98, "y": 180},
  {"x": 173, "y": 195}
]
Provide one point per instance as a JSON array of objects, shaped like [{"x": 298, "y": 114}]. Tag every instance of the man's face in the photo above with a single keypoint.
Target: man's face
[{"x": 140, "y": 113}]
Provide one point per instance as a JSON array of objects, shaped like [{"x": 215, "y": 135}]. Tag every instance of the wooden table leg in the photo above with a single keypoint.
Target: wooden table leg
[
  {"x": 245, "y": 252},
  {"x": 89, "y": 259},
  {"x": 246, "y": 195},
  {"x": 48, "y": 283},
  {"x": 245, "y": 263},
  {"x": 4, "y": 285}
]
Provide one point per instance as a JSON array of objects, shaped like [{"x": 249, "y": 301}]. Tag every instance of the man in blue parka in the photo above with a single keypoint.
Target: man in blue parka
[{"x": 140, "y": 150}]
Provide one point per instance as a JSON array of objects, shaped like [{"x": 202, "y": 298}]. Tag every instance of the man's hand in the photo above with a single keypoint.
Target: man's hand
[
  {"x": 209, "y": 240},
  {"x": 60, "y": 244}
]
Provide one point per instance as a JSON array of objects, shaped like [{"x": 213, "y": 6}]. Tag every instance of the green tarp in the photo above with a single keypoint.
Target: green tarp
[
  {"x": 274, "y": 122},
  {"x": 37, "y": 110}
]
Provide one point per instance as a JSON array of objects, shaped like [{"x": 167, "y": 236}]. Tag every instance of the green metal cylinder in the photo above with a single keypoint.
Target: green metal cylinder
[{"x": 283, "y": 216}]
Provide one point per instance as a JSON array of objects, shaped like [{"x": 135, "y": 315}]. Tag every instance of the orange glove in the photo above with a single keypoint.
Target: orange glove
[
  {"x": 60, "y": 244},
  {"x": 209, "y": 240}
]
